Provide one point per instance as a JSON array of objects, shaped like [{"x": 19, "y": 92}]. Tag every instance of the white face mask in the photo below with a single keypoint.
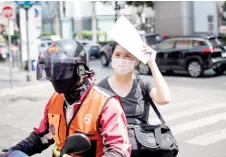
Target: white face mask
[{"x": 122, "y": 66}]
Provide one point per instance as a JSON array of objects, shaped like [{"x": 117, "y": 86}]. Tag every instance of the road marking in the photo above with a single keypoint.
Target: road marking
[
  {"x": 198, "y": 123},
  {"x": 192, "y": 111},
  {"x": 209, "y": 138},
  {"x": 5, "y": 78},
  {"x": 177, "y": 105}
]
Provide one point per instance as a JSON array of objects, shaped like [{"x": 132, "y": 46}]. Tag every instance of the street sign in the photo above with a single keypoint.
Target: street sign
[
  {"x": 7, "y": 11},
  {"x": 36, "y": 13},
  {"x": 26, "y": 4}
]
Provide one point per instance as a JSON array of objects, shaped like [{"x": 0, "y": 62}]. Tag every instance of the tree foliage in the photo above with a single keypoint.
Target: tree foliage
[{"x": 140, "y": 3}]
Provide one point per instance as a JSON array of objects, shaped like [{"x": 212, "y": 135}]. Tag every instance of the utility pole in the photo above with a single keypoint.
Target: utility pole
[
  {"x": 94, "y": 21},
  {"x": 56, "y": 14},
  {"x": 10, "y": 53},
  {"x": 28, "y": 49},
  {"x": 8, "y": 12}
]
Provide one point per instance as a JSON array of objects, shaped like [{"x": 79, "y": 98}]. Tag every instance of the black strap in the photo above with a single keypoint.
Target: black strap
[
  {"x": 158, "y": 136},
  {"x": 148, "y": 98}
]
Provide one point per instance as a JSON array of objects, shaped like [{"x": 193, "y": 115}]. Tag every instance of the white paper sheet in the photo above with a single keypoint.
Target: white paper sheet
[{"x": 124, "y": 33}]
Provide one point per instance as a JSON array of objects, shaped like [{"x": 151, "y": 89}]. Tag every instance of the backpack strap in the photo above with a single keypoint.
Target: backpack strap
[{"x": 147, "y": 98}]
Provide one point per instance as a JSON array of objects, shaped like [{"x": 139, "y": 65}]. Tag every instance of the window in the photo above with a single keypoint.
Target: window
[
  {"x": 183, "y": 44},
  {"x": 197, "y": 43},
  {"x": 169, "y": 44},
  {"x": 153, "y": 39}
]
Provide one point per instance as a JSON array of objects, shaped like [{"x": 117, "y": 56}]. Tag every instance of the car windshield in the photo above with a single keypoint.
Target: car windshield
[{"x": 153, "y": 39}]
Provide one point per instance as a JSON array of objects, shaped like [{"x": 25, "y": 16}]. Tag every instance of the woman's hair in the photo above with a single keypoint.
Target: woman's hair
[{"x": 114, "y": 46}]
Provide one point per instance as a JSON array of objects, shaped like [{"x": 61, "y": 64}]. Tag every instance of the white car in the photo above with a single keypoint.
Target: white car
[
  {"x": 44, "y": 45},
  {"x": 45, "y": 42}
]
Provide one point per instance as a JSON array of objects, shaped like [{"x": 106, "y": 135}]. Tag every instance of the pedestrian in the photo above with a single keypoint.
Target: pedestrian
[
  {"x": 124, "y": 83},
  {"x": 77, "y": 105}
]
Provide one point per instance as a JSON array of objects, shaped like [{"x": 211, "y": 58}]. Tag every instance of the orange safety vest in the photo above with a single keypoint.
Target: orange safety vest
[{"x": 85, "y": 121}]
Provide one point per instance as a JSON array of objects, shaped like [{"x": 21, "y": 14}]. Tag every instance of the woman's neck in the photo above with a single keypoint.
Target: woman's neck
[{"x": 123, "y": 79}]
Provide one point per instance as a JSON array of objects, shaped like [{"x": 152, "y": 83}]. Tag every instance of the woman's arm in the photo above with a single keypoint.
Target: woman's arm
[{"x": 160, "y": 93}]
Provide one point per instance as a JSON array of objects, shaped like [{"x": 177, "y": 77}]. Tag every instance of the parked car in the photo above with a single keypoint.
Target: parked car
[
  {"x": 45, "y": 42},
  {"x": 52, "y": 37},
  {"x": 92, "y": 48},
  {"x": 106, "y": 51},
  {"x": 193, "y": 54},
  {"x": 44, "y": 45}
]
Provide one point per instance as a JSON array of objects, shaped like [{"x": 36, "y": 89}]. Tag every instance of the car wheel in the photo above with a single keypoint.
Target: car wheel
[
  {"x": 104, "y": 60},
  {"x": 220, "y": 70},
  {"x": 195, "y": 68},
  {"x": 143, "y": 69}
]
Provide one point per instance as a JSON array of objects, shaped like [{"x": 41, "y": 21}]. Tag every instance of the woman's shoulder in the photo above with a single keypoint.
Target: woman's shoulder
[
  {"x": 144, "y": 78},
  {"x": 147, "y": 81},
  {"x": 103, "y": 83}
]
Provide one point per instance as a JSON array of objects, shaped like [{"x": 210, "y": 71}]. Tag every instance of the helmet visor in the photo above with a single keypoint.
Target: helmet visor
[{"x": 55, "y": 66}]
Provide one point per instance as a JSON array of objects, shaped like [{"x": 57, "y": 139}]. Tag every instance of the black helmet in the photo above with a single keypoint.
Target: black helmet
[
  {"x": 62, "y": 60},
  {"x": 63, "y": 63}
]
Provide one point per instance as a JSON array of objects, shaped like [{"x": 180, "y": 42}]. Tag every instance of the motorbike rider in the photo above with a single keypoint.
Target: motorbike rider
[{"x": 77, "y": 106}]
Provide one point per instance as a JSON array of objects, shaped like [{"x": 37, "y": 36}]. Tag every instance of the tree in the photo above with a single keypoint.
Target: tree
[
  {"x": 140, "y": 5},
  {"x": 117, "y": 6}
]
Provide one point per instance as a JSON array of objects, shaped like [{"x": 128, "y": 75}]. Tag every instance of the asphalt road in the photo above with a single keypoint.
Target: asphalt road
[{"x": 196, "y": 114}]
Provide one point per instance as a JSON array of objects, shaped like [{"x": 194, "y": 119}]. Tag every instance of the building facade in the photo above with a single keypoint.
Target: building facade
[
  {"x": 186, "y": 17},
  {"x": 76, "y": 16}
]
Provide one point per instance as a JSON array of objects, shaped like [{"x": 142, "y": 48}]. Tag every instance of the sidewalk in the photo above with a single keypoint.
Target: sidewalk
[
  {"x": 22, "y": 90},
  {"x": 19, "y": 77}
]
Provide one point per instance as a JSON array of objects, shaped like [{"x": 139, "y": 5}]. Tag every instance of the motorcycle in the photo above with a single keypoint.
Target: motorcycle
[{"x": 74, "y": 144}]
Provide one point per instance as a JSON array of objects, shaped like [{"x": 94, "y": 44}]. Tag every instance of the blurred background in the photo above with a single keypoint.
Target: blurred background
[
  {"x": 189, "y": 37},
  {"x": 90, "y": 21}
]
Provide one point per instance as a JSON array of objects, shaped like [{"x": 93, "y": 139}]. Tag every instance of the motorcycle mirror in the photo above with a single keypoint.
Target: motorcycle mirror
[{"x": 76, "y": 144}]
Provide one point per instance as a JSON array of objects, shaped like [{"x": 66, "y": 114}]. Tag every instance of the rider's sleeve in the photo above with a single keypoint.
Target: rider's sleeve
[
  {"x": 39, "y": 140},
  {"x": 114, "y": 130}
]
